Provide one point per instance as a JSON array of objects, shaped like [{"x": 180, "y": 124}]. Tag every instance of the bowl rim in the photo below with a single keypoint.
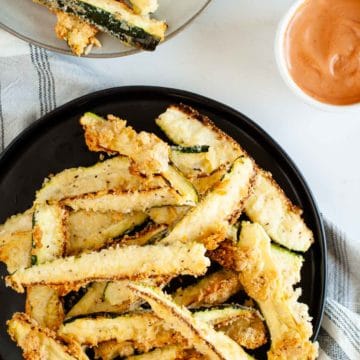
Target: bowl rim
[
  {"x": 279, "y": 51},
  {"x": 128, "y": 52}
]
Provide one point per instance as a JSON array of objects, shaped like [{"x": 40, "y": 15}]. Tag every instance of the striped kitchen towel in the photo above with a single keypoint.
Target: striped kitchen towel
[{"x": 34, "y": 81}]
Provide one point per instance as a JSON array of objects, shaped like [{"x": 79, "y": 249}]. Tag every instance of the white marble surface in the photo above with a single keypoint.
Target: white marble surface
[{"x": 227, "y": 54}]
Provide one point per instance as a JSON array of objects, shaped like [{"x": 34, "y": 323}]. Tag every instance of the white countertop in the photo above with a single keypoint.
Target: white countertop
[{"x": 227, "y": 54}]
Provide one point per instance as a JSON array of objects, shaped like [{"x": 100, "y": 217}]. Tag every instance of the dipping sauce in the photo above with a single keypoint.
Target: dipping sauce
[{"x": 322, "y": 50}]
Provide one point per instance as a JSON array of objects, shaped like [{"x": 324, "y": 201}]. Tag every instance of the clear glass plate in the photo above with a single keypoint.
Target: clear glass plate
[{"x": 35, "y": 24}]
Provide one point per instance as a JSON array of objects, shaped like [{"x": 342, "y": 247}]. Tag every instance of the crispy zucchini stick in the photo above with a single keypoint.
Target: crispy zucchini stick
[
  {"x": 268, "y": 205},
  {"x": 213, "y": 344},
  {"x": 208, "y": 221},
  {"x": 50, "y": 237},
  {"x": 14, "y": 225},
  {"x": 125, "y": 201},
  {"x": 150, "y": 153},
  {"x": 15, "y": 240},
  {"x": 118, "y": 263},
  {"x": 144, "y": 7},
  {"x": 16, "y": 252},
  {"x": 40, "y": 343},
  {"x": 213, "y": 289},
  {"x": 288, "y": 320},
  {"x": 110, "y": 297},
  {"x": 144, "y": 329},
  {"x": 79, "y": 35},
  {"x": 111, "y": 174},
  {"x": 93, "y": 302},
  {"x": 90, "y": 230}
]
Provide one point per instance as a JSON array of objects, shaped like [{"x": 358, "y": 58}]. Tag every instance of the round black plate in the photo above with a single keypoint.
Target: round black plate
[{"x": 56, "y": 142}]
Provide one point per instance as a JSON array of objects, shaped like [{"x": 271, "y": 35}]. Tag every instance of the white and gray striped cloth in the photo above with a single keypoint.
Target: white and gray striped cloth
[{"x": 34, "y": 81}]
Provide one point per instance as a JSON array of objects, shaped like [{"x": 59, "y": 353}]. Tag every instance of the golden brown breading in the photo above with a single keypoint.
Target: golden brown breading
[
  {"x": 79, "y": 35},
  {"x": 150, "y": 153},
  {"x": 214, "y": 289},
  {"x": 40, "y": 343}
]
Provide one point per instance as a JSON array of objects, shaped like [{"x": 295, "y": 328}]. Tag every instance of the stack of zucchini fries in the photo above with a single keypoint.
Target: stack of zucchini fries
[
  {"x": 146, "y": 254},
  {"x": 79, "y": 21}
]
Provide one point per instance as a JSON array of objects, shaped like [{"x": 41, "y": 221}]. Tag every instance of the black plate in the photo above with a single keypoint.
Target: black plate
[{"x": 55, "y": 142}]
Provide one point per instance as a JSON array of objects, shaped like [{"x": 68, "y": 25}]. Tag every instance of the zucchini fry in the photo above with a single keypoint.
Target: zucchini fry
[
  {"x": 192, "y": 162},
  {"x": 94, "y": 302},
  {"x": 144, "y": 7},
  {"x": 186, "y": 127},
  {"x": 79, "y": 35},
  {"x": 268, "y": 205},
  {"x": 110, "y": 297},
  {"x": 203, "y": 183},
  {"x": 168, "y": 215},
  {"x": 41, "y": 343},
  {"x": 214, "y": 289},
  {"x": 118, "y": 293},
  {"x": 208, "y": 221},
  {"x": 16, "y": 252},
  {"x": 150, "y": 154},
  {"x": 288, "y": 320},
  {"x": 126, "y": 201},
  {"x": 118, "y": 263},
  {"x": 90, "y": 230},
  {"x": 243, "y": 324},
  {"x": 15, "y": 241},
  {"x": 143, "y": 329},
  {"x": 109, "y": 350},
  {"x": 14, "y": 225},
  {"x": 213, "y": 344},
  {"x": 111, "y": 174},
  {"x": 149, "y": 235},
  {"x": 50, "y": 237},
  {"x": 115, "y": 18}
]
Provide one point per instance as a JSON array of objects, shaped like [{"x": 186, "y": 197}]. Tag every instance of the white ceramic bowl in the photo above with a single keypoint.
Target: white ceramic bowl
[{"x": 284, "y": 71}]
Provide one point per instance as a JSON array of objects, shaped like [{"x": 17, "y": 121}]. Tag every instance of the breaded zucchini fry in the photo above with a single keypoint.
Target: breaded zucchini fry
[
  {"x": 269, "y": 206},
  {"x": 143, "y": 329},
  {"x": 213, "y": 289},
  {"x": 41, "y": 343},
  {"x": 208, "y": 221},
  {"x": 111, "y": 174},
  {"x": 125, "y": 201},
  {"x": 150, "y": 153},
  {"x": 119, "y": 263},
  {"x": 144, "y": 7},
  {"x": 94, "y": 302},
  {"x": 49, "y": 238},
  {"x": 185, "y": 126},
  {"x": 16, "y": 252},
  {"x": 288, "y": 320},
  {"x": 168, "y": 215},
  {"x": 90, "y": 230},
  {"x": 79, "y": 35},
  {"x": 14, "y": 225},
  {"x": 213, "y": 344}
]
